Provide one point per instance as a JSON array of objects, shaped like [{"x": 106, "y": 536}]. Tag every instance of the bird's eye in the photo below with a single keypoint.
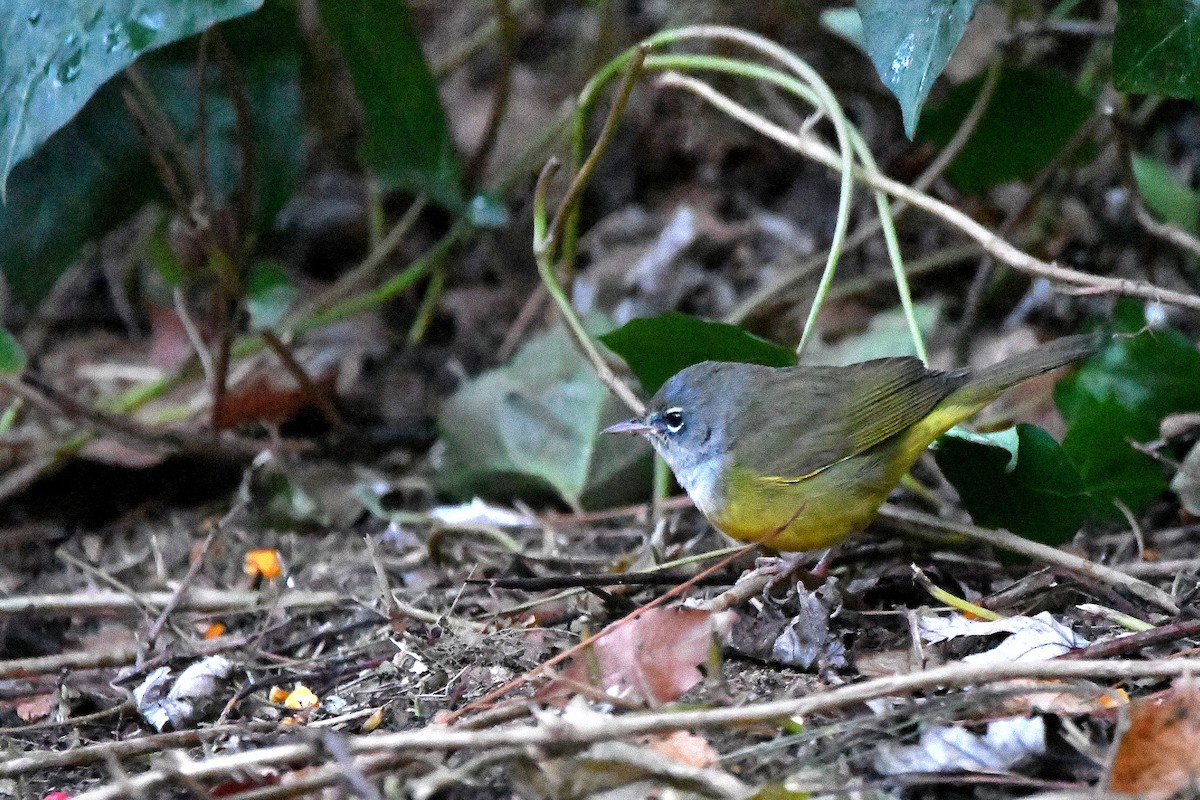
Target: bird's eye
[{"x": 674, "y": 419}]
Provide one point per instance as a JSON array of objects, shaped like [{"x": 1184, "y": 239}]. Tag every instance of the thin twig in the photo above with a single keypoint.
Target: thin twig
[
  {"x": 908, "y": 518},
  {"x": 201, "y": 600},
  {"x": 507, "y": 26},
  {"x": 33, "y": 388},
  {"x": 180, "y": 590}
]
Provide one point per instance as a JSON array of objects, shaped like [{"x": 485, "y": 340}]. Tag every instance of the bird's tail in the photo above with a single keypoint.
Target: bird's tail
[{"x": 987, "y": 383}]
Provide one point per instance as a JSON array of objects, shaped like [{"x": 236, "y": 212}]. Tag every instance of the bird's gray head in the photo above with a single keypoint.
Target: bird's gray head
[{"x": 686, "y": 422}]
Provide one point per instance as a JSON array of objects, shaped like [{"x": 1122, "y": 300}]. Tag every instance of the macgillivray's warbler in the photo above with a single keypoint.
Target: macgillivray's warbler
[{"x": 800, "y": 457}]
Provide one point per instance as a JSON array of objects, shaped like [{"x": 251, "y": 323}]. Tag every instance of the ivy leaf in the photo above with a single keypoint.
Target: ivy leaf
[
  {"x": 1165, "y": 194},
  {"x": 655, "y": 348},
  {"x": 407, "y": 143},
  {"x": 1043, "y": 497},
  {"x": 1098, "y": 444},
  {"x": 1151, "y": 373}
]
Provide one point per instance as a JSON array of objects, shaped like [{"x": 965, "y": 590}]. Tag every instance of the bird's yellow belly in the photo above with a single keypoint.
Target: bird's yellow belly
[
  {"x": 816, "y": 512},
  {"x": 824, "y": 508}
]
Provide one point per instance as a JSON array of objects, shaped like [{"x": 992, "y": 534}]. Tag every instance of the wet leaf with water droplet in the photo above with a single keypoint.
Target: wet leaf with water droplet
[
  {"x": 54, "y": 57},
  {"x": 910, "y": 41}
]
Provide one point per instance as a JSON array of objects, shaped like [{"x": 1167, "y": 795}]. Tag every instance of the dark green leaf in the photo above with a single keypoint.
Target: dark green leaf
[
  {"x": 12, "y": 355},
  {"x": 909, "y": 42},
  {"x": 1098, "y": 446},
  {"x": 1165, "y": 194},
  {"x": 1152, "y": 373},
  {"x": 1154, "y": 49},
  {"x": 657, "y": 347},
  {"x": 1033, "y": 113},
  {"x": 269, "y": 294},
  {"x": 1042, "y": 498},
  {"x": 407, "y": 143},
  {"x": 94, "y": 173},
  {"x": 55, "y": 55}
]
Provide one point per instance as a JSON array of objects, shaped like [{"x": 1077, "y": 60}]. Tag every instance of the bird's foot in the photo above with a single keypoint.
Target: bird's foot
[{"x": 787, "y": 566}]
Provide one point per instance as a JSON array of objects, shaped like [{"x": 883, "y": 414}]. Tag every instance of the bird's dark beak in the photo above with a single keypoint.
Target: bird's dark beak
[{"x": 630, "y": 426}]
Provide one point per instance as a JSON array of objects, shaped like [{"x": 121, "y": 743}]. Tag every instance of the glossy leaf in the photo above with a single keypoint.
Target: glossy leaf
[
  {"x": 910, "y": 41},
  {"x": 55, "y": 55},
  {"x": 1154, "y": 48},
  {"x": 1042, "y": 498},
  {"x": 1150, "y": 373},
  {"x": 12, "y": 355},
  {"x": 1032, "y": 115},
  {"x": 407, "y": 143},
  {"x": 655, "y": 348}
]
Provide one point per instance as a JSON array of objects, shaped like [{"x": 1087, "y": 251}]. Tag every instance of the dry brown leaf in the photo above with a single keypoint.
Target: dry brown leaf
[
  {"x": 267, "y": 397},
  {"x": 1159, "y": 754},
  {"x": 684, "y": 747},
  {"x": 36, "y": 706},
  {"x": 652, "y": 659}
]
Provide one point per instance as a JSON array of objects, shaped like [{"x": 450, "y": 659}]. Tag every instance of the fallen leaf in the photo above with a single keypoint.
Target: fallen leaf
[
  {"x": 1159, "y": 754},
  {"x": 37, "y": 706},
  {"x": 955, "y": 749},
  {"x": 268, "y": 397},
  {"x": 685, "y": 747},
  {"x": 651, "y": 659}
]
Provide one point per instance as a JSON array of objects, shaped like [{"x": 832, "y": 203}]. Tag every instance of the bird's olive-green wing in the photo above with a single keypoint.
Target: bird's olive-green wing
[{"x": 811, "y": 417}]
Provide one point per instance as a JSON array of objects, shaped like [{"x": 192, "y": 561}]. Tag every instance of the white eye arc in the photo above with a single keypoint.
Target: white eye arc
[{"x": 674, "y": 419}]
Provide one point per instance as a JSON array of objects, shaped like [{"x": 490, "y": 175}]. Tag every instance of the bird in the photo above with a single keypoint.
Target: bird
[{"x": 798, "y": 458}]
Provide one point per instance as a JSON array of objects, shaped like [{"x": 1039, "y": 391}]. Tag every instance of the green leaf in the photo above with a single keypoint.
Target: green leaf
[
  {"x": 1165, "y": 194},
  {"x": 1032, "y": 115},
  {"x": 909, "y": 42},
  {"x": 532, "y": 427},
  {"x": 269, "y": 294},
  {"x": 1098, "y": 444},
  {"x": 55, "y": 55},
  {"x": 1042, "y": 498},
  {"x": 1154, "y": 48},
  {"x": 95, "y": 172},
  {"x": 12, "y": 355},
  {"x": 1152, "y": 374},
  {"x": 656, "y": 348},
  {"x": 1006, "y": 439},
  {"x": 407, "y": 143}
]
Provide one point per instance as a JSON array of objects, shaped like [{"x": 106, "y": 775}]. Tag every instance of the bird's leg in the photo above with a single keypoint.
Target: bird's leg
[{"x": 787, "y": 565}]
